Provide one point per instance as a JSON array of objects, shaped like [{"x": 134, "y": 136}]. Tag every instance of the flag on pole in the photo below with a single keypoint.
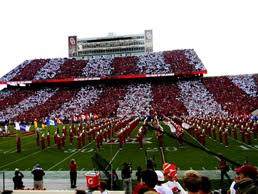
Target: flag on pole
[
  {"x": 51, "y": 122},
  {"x": 24, "y": 127}
]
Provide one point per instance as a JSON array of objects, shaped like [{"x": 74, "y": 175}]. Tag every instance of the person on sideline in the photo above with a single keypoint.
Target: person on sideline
[
  {"x": 17, "y": 179},
  {"x": 73, "y": 173},
  {"x": 38, "y": 174}
]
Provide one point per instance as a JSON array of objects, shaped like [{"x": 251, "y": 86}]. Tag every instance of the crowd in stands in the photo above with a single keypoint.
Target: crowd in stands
[
  {"x": 125, "y": 66},
  {"x": 15, "y": 98},
  {"x": 153, "y": 63},
  {"x": 98, "y": 67},
  {"x": 29, "y": 71},
  {"x": 167, "y": 100},
  {"x": 49, "y": 70},
  {"x": 197, "y": 99},
  {"x": 193, "y": 59},
  {"x": 137, "y": 101},
  {"x": 233, "y": 99},
  {"x": 9, "y": 76},
  {"x": 45, "y": 109},
  {"x": 178, "y": 61},
  {"x": 29, "y": 103},
  {"x": 108, "y": 101},
  {"x": 71, "y": 68},
  {"x": 192, "y": 97},
  {"x": 81, "y": 101},
  {"x": 246, "y": 83}
]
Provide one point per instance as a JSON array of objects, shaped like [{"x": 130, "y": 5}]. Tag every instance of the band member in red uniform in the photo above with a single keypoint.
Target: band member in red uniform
[
  {"x": 79, "y": 141},
  {"x": 63, "y": 140},
  {"x": 139, "y": 138},
  {"x": 37, "y": 137},
  {"x": 248, "y": 136},
  {"x": 234, "y": 132},
  {"x": 58, "y": 142},
  {"x": 225, "y": 137},
  {"x": 71, "y": 136},
  {"x": 18, "y": 144},
  {"x": 48, "y": 138},
  {"x": 42, "y": 141},
  {"x": 55, "y": 137},
  {"x": 220, "y": 135}
]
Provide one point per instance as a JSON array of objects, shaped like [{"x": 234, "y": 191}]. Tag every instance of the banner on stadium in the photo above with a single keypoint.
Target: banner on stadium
[{"x": 72, "y": 46}]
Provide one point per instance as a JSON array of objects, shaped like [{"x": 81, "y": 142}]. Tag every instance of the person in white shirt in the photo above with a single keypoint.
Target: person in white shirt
[
  {"x": 161, "y": 188},
  {"x": 170, "y": 174},
  {"x": 102, "y": 188}
]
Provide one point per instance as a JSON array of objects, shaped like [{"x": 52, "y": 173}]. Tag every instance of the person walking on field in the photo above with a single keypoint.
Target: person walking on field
[{"x": 73, "y": 173}]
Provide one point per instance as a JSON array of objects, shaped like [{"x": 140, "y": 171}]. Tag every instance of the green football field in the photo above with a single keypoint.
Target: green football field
[{"x": 185, "y": 157}]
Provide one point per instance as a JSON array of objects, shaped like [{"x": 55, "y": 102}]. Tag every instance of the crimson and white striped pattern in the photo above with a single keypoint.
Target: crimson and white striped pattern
[
  {"x": 86, "y": 96},
  {"x": 49, "y": 70},
  {"x": 40, "y": 97},
  {"x": 245, "y": 83},
  {"x": 197, "y": 98},
  {"x": 9, "y": 76},
  {"x": 137, "y": 101}
]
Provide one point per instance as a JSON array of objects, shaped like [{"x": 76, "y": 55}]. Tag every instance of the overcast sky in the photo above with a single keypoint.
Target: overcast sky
[{"x": 224, "y": 33}]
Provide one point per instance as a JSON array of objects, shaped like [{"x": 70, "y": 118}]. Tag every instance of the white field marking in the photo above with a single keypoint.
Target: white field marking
[
  {"x": 203, "y": 168},
  {"x": 244, "y": 148},
  {"x": 114, "y": 156},
  {"x": 252, "y": 147},
  {"x": 82, "y": 169},
  {"x": 6, "y": 151},
  {"x": 201, "y": 145},
  {"x": 23, "y": 158},
  {"x": 69, "y": 156},
  {"x": 60, "y": 169}
]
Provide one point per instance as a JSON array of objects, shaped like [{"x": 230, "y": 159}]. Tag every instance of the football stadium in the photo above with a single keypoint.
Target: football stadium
[{"x": 130, "y": 107}]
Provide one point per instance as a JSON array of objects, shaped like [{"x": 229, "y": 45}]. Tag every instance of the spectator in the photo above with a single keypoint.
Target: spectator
[
  {"x": 224, "y": 168},
  {"x": 247, "y": 180},
  {"x": 205, "y": 187},
  {"x": 150, "y": 180},
  {"x": 112, "y": 181},
  {"x": 161, "y": 188},
  {"x": 103, "y": 188},
  {"x": 139, "y": 174},
  {"x": 73, "y": 172},
  {"x": 192, "y": 182},
  {"x": 170, "y": 174},
  {"x": 126, "y": 177},
  {"x": 38, "y": 174},
  {"x": 17, "y": 179}
]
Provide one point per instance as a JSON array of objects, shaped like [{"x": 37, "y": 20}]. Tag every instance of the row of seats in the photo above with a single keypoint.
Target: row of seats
[
  {"x": 177, "y": 61},
  {"x": 193, "y": 97}
]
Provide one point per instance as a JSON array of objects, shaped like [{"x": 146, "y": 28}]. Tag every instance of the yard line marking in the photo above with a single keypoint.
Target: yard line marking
[
  {"x": 82, "y": 169},
  {"x": 202, "y": 145},
  {"x": 15, "y": 147},
  {"x": 252, "y": 147},
  {"x": 22, "y": 158},
  {"x": 113, "y": 158},
  {"x": 69, "y": 156}
]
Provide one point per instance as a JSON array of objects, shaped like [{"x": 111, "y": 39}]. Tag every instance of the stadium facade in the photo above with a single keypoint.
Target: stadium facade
[{"x": 110, "y": 46}]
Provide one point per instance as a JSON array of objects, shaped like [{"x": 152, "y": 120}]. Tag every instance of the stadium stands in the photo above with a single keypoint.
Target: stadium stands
[
  {"x": 197, "y": 99},
  {"x": 231, "y": 97},
  {"x": 29, "y": 71},
  {"x": 167, "y": 100},
  {"x": 236, "y": 95},
  {"x": 167, "y": 62}
]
